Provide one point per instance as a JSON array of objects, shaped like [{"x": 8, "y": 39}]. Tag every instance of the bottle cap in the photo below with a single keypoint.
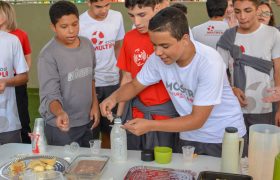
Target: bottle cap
[
  {"x": 231, "y": 129},
  {"x": 147, "y": 155}
]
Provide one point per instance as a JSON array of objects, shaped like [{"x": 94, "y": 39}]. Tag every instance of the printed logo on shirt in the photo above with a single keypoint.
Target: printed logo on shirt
[
  {"x": 242, "y": 48},
  {"x": 211, "y": 31},
  {"x": 79, "y": 73},
  {"x": 140, "y": 57},
  {"x": 4, "y": 72},
  {"x": 99, "y": 43},
  {"x": 178, "y": 90}
]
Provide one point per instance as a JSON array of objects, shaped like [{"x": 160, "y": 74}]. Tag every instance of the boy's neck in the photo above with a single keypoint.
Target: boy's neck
[
  {"x": 217, "y": 18},
  {"x": 73, "y": 45},
  {"x": 253, "y": 28},
  {"x": 188, "y": 55}
]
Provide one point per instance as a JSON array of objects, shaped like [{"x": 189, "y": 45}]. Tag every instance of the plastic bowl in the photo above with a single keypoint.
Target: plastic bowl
[{"x": 163, "y": 154}]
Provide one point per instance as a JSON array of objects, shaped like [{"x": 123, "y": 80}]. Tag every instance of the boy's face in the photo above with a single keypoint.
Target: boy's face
[
  {"x": 168, "y": 48},
  {"x": 246, "y": 14},
  {"x": 99, "y": 10},
  {"x": 141, "y": 17},
  {"x": 67, "y": 29}
]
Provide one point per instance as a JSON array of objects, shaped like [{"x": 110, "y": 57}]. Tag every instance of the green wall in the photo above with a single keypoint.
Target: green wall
[{"x": 33, "y": 18}]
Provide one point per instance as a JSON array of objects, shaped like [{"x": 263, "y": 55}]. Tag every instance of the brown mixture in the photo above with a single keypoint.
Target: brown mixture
[{"x": 88, "y": 167}]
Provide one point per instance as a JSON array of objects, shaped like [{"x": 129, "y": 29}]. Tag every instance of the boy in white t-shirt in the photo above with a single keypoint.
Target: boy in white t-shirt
[
  {"x": 12, "y": 62},
  {"x": 195, "y": 78},
  {"x": 104, "y": 27},
  {"x": 210, "y": 32},
  {"x": 253, "y": 61}
]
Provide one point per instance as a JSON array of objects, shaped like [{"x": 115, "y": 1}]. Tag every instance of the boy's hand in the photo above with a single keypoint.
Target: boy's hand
[
  {"x": 94, "y": 116},
  {"x": 274, "y": 95},
  {"x": 2, "y": 86},
  {"x": 138, "y": 126},
  {"x": 106, "y": 107},
  {"x": 62, "y": 121},
  {"x": 240, "y": 96}
]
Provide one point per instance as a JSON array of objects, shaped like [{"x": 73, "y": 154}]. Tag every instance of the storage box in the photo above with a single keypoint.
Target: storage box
[
  {"x": 210, "y": 175},
  {"x": 86, "y": 167}
]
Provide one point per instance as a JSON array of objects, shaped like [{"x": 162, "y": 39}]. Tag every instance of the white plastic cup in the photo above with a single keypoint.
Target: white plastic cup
[
  {"x": 188, "y": 152},
  {"x": 95, "y": 146}
]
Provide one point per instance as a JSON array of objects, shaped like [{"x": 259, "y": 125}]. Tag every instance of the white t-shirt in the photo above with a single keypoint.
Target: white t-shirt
[
  {"x": 103, "y": 35},
  {"x": 263, "y": 43},
  {"x": 202, "y": 83},
  {"x": 209, "y": 32},
  {"x": 12, "y": 60}
]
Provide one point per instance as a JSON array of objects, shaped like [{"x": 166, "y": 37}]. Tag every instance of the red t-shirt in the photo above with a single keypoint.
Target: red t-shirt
[
  {"x": 135, "y": 51},
  {"x": 23, "y": 38}
]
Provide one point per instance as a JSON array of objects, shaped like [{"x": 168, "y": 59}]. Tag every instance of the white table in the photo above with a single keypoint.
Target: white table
[{"x": 115, "y": 171}]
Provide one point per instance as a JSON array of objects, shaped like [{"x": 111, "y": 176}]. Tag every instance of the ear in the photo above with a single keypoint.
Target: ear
[
  {"x": 157, "y": 8},
  {"x": 53, "y": 28},
  {"x": 186, "y": 39},
  {"x": 88, "y": 3}
]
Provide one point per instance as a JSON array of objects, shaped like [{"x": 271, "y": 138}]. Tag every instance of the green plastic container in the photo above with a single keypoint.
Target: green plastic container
[
  {"x": 276, "y": 174},
  {"x": 163, "y": 155}
]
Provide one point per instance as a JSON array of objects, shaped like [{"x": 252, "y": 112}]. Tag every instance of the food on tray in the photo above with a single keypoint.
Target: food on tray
[
  {"x": 88, "y": 167},
  {"x": 17, "y": 168}
]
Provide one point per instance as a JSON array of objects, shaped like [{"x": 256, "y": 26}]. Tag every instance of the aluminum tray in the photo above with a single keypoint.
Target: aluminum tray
[
  {"x": 156, "y": 173},
  {"x": 60, "y": 165}
]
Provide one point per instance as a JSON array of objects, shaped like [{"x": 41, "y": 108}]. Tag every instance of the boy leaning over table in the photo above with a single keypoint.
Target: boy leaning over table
[
  {"x": 68, "y": 101},
  {"x": 195, "y": 78}
]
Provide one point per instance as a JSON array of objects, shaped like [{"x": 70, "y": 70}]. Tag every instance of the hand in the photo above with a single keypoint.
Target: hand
[
  {"x": 277, "y": 118},
  {"x": 62, "y": 121},
  {"x": 232, "y": 21},
  {"x": 138, "y": 126},
  {"x": 2, "y": 86},
  {"x": 106, "y": 107},
  {"x": 94, "y": 116},
  {"x": 240, "y": 96},
  {"x": 275, "y": 95}
]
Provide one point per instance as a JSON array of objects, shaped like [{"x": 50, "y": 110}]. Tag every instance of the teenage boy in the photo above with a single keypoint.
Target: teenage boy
[
  {"x": 195, "y": 77},
  {"x": 153, "y": 103},
  {"x": 252, "y": 65},
  {"x": 12, "y": 62},
  {"x": 104, "y": 27},
  {"x": 210, "y": 32},
  {"x": 66, "y": 76}
]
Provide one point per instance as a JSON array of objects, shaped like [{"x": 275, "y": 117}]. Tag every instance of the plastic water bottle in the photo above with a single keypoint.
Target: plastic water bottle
[
  {"x": 39, "y": 143},
  {"x": 118, "y": 142}
]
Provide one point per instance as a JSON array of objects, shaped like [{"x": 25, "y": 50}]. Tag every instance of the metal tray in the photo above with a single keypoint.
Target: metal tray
[
  {"x": 60, "y": 165},
  {"x": 155, "y": 173}
]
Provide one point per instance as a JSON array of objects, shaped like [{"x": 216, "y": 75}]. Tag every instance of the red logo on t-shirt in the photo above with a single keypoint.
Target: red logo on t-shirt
[
  {"x": 211, "y": 28},
  {"x": 140, "y": 57},
  {"x": 4, "y": 72},
  {"x": 242, "y": 48},
  {"x": 97, "y": 37}
]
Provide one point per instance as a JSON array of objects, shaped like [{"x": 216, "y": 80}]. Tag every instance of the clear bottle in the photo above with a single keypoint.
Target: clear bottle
[
  {"x": 118, "y": 142},
  {"x": 39, "y": 143}
]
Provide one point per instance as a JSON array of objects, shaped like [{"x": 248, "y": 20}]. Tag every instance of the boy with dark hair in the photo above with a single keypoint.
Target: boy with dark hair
[
  {"x": 251, "y": 52},
  {"x": 197, "y": 85},
  {"x": 153, "y": 103},
  {"x": 66, "y": 77},
  {"x": 210, "y": 32},
  {"x": 104, "y": 27}
]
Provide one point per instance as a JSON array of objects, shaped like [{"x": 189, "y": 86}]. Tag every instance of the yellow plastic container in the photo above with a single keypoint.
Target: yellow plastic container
[{"x": 163, "y": 155}]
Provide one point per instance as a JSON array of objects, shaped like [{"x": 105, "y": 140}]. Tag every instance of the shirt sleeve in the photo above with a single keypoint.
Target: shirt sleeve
[
  {"x": 124, "y": 62},
  {"x": 20, "y": 65},
  {"x": 210, "y": 83},
  {"x": 276, "y": 47},
  {"x": 121, "y": 29},
  {"x": 26, "y": 45},
  {"x": 149, "y": 73},
  {"x": 49, "y": 82}
]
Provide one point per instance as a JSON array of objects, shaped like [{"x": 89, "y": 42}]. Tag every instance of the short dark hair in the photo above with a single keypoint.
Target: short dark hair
[
  {"x": 180, "y": 6},
  {"x": 255, "y": 2},
  {"x": 216, "y": 8},
  {"x": 62, "y": 8},
  {"x": 140, "y": 3},
  {"x": 172, "y": 20}
]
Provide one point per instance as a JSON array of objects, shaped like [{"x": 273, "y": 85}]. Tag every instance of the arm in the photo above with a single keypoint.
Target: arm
[
  {"x": 17, "y": 80},
  {"x": 28, "y": 60},
  {"x": 124, "y": 93},
  {"x": 276, "y": 66},
  {"x": 94, "y": 113},
  {"x": 190, "y": 122},
  {"x": 126, "y": 78},
  {"x": 62, "y": 119},
  {"x": 117, "y": 48}
]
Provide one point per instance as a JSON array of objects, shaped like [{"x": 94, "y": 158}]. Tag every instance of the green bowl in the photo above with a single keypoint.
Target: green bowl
[{"x": 163, "y": 154}]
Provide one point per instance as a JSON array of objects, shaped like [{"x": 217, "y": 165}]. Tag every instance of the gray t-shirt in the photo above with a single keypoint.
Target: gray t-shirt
[{"x": 66, "y": 75}]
